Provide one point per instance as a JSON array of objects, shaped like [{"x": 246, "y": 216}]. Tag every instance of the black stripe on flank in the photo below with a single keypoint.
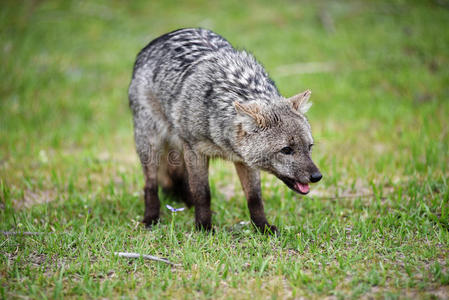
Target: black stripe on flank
[
  {"x": 209, "y": 93},
  {"x": 241, "y": 93},
  {"x": 181, "y": 82},
  {"x": 156, "y": 71}
]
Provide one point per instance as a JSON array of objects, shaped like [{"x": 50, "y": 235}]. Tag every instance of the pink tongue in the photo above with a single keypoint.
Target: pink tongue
[{"x": 304, "y": 188}]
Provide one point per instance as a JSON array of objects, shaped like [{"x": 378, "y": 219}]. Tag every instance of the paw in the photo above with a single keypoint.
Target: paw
[
  {"x": 150, "y": 221},
  {"x": 205, "y": 226}
]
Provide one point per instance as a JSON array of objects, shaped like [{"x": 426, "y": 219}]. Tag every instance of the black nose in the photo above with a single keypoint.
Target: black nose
[{"x": 315, "y": 177}]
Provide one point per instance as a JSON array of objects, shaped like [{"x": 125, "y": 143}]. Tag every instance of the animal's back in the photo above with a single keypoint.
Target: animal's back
[
  {"x": 193, "y": 77},
  {"x": 166, "y": 60}
]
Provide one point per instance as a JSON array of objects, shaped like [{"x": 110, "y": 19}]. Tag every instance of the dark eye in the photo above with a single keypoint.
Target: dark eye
[
  {"x": 310, "y": 147},
  {"x": 287, "y": 150}
]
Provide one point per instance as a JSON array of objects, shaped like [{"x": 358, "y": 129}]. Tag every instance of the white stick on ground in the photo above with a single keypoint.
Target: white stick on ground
[
  {"x": 145, "y": 256},
  {"x": 23, "y": 233}
]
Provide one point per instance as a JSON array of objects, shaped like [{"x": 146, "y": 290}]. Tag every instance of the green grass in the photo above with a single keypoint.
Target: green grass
[{"x": 375, "y": 226}]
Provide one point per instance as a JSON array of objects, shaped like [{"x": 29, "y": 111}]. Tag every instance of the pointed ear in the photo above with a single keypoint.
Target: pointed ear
[
  {"x": 301, "y": 102},
  {"x": 250, "y": 115}
]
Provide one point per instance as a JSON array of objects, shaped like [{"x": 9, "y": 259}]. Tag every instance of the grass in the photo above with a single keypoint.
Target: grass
[{"x": 375, "y": 226}]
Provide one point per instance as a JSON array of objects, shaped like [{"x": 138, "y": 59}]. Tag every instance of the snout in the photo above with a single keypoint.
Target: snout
[
  {"x": 316, "y": 176},
  {"x": 304, "y": 176}
]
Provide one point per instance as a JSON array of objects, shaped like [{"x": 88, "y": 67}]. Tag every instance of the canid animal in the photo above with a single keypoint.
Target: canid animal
[{"x": 194, "y": 97}]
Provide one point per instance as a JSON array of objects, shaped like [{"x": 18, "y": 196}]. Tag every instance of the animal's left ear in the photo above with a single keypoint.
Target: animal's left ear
[
  {"x": 300, "y": 102},
  {"x": 251, "y": 115}
]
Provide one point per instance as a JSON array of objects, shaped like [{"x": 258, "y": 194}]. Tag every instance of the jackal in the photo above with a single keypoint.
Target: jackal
[{"x": 195, "y": 97}]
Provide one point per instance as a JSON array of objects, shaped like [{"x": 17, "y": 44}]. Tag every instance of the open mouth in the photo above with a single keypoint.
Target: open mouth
[{"x": 299, "y": 187}]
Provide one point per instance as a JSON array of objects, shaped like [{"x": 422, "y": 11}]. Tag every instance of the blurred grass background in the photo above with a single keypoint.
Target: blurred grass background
[
  {"x": 66, "y": 66},
  {"x": 377, "y": 69}
]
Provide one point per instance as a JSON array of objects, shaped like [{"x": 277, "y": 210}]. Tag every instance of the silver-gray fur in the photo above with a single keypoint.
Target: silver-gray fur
[{"x": 193, "y": 96}]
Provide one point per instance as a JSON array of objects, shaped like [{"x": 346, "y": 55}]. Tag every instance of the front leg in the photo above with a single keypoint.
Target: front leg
[
  {"x": 197, "y": 166},
  {"x": 250, "y": 180}
]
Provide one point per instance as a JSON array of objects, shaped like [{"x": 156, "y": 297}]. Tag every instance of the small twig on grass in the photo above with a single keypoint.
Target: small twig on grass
[
  {"x": 23, "y": 233},
  {"x": 145, "y": 256}
]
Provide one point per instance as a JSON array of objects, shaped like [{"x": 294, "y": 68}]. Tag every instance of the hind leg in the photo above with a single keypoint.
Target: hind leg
[
  {"x": 173, "y": 176},
  {"x": 197, "y": 166}
]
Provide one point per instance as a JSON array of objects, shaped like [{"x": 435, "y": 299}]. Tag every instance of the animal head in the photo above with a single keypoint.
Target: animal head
[{"x": 276, "y": 137}]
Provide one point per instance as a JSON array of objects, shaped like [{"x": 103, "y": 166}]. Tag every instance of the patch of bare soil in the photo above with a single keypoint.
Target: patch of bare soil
[
  {"x": 441, "y": 292},
  {"x": 31, "y": 198}
]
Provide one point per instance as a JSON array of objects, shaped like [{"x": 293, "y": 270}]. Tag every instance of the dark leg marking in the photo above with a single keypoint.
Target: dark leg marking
[{"x": 250, "y": 180}]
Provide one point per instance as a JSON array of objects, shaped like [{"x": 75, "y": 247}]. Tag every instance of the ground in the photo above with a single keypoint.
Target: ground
[{"x": 376, "y": 226}]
